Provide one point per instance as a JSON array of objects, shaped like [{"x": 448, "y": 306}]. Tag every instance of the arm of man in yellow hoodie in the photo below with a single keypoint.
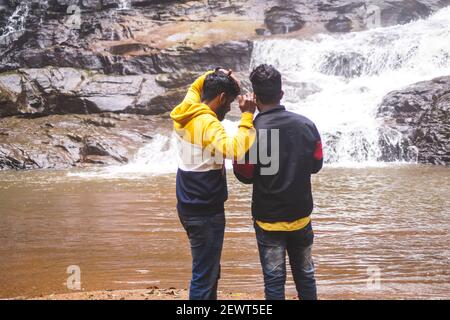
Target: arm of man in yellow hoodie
[
  {"x": 215, "y": 137},
  {"x": 214, "y": 134}
]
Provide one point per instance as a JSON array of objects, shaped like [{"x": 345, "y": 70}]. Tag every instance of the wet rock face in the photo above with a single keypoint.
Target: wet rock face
[
  {"x": 235, "y": 55},
  {"x": 281, "y": 20},
  {"x": 402, "y": 12},
  {"x": 64, "y": 141},
  {"x": 352, "y": 15},
  {"x": 40, "y": 92},
  {"x": 339, "y": 24},
  {"x": 421, "y": 114},
  {"x": 160, "y": 36},
  {"x": 149, "y": 37}
]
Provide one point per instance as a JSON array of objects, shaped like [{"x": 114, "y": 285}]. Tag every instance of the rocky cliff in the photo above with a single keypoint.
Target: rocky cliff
[
  {"x": 136, "y": 37},
  {"x": 67, "y": 57}
]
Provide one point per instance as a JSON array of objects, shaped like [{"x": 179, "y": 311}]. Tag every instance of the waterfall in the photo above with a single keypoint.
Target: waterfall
[
  {"x": 16, "y": 22},
  {"x": 338, "y": 81},
  {"x": 124, "y": 5}
]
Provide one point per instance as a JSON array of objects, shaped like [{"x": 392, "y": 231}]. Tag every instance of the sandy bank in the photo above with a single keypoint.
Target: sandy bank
[{"x": 143, "y": 294}]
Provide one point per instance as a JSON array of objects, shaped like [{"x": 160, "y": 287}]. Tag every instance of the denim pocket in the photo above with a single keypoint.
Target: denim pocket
[
  {"x": 203, "y": 230},
  {"x": 218, "y": 221},
  {"x": 308, "y": 234}
]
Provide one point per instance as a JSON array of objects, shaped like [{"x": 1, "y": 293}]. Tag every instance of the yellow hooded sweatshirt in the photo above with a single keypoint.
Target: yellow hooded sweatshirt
[
  {"x": 196, "y": 124},
  {"x": 203, "y": 144}
]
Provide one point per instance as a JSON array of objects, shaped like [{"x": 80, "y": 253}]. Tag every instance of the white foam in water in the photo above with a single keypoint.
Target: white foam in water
[
  {"x": 342, "y": 106},
  {"x": 157, "y": 157}
]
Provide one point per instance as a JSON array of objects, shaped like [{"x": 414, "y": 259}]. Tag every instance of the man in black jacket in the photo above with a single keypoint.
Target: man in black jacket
[{"x": 280, "y": 164}]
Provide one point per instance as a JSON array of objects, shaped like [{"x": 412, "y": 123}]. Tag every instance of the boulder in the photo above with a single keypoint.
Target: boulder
[
  {"x": 339, "y": 24},
  {"x": 402, "y": 12},
  {"x": 283, "y": 19},
  {"x": 420, "y": 115}
]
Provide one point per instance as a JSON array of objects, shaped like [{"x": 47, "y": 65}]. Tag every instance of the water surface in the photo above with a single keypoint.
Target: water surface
[{"x": 124, "y": 233}]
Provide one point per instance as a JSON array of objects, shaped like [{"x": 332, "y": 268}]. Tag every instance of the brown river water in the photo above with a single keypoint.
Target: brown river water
[{"x": 390, "y": 224}]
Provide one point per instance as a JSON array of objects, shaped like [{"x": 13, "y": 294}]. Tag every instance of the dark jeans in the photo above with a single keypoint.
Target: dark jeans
[
  {"x": 272, "y": 247},
  {"x": 206, "y": 239}
]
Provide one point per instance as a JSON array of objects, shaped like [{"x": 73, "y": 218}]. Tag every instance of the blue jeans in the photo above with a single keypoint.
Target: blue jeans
[
  {"x": 272, "y": 246},
  {"x": 206, "y": 239}
]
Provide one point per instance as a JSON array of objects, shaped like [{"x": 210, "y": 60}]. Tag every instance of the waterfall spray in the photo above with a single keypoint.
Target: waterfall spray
[
  {"x": 339, "y": 81},
  {"x": 124, "y": 5},
  {"x": 16, "y": 22}
]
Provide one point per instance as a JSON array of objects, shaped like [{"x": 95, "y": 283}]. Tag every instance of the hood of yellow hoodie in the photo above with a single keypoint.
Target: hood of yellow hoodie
[{"x": 183, "y": 113}]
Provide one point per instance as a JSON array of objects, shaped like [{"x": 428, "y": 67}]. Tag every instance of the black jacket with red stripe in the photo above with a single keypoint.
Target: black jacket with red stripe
[{"x": 283, "y": 195}]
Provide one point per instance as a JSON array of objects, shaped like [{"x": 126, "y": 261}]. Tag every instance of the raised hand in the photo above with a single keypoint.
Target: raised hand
[
  {"x": 247, "y": 103},
  {"x": 230, "y": 74}
]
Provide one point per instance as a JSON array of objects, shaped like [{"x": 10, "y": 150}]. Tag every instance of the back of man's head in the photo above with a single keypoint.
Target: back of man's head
[
  {"x": 217, "y": 83},
  {"x": 266, "y": 83}
]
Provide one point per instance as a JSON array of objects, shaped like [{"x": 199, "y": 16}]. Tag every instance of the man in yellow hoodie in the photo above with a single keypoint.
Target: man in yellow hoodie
[{"x": 201, "y": 185}]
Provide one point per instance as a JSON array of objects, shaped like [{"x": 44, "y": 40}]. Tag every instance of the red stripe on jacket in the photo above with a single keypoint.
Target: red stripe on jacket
[
  {"x": 318, "y": 152},
  {"x": 246, "y": 169}
]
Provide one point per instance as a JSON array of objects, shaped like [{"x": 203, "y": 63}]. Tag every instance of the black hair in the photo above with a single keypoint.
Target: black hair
[
  {"x": 217, "y": 83},
  {"x": 266, "y": 83}
]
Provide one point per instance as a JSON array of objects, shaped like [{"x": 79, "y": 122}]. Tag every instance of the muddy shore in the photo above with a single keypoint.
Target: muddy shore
[{"x": 151, "y": 293}]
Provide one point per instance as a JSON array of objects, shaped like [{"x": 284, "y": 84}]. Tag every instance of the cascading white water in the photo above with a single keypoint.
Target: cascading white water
[
  {"x": 157, "y": 157},
  {"x": 124, "y": 4},
  {"x": 16, "y": 22},
  {"x": 338, "y": 82}
]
